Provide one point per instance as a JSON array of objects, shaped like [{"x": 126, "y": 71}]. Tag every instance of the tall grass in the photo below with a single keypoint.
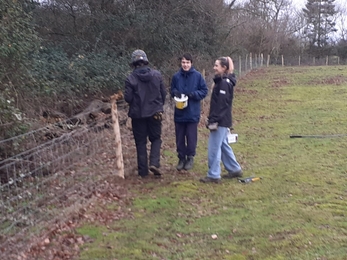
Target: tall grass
[{"x": 298, "y": 209}]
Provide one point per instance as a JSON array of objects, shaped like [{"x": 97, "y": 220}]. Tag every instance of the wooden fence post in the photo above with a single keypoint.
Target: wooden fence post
[
  {"x": 203, "y": 73},
  {"x": 250, "y": 61},
  {"x": 299, "y": 60},
  {"x": 327, "y": 61},
  {"x": 119, "y": 153},
  {"x": 240, "y": 66},
  {"x": 246, "y": 65},
  {"x": 262, "y": 60},
  {"x": 282, "y": 61}
]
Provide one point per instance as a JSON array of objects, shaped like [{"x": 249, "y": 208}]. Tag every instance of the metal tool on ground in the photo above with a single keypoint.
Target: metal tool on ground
[
  {"x": 317, "y": 136},
  {"x": 249, "y": 179}
]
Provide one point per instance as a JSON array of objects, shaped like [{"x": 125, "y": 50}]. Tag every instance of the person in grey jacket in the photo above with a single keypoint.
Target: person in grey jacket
[
  {"x": 145, "y": 93},
  {"x": 219, "y": 120},
  {"x": 187, "y": 81}
]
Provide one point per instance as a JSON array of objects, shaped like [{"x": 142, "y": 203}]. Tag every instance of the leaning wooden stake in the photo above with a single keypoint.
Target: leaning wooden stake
[{"x": 119, "y": 154}]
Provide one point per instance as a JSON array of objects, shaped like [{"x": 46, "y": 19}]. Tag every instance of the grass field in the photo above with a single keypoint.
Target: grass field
[{"x": 297, "y": 211}]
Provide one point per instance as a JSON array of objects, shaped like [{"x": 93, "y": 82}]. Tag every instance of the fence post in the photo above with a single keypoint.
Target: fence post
[
  {"x": 261, "y": 60},
  {"x": 299, "y": 60},
  {"x": 268, "y": 60},
  {"x": 203, "y": 73},
  {"x": 246, "y": 63},
  {"x": 327, "y": 60},
  {"x": 118, "y": 146},
  {"x": 250, "y": 61},
  {"x": 240, "y": 66},
  {"x": 282, "y": 60}
]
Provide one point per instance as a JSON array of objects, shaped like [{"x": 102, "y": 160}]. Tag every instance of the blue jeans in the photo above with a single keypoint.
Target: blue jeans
[{"x": 220, "y": 150}]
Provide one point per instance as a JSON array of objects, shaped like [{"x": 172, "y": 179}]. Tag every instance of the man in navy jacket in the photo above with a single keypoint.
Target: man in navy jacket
[{"x": 190, "y": 82}]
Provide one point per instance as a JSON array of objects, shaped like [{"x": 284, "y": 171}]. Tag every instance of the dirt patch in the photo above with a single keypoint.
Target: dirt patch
[
  {"x": 334, "y": 80},
  {"x": 277, "y": 83}
]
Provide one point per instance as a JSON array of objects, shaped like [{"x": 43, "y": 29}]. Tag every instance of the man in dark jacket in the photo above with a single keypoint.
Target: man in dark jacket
[
  {"x": 145, "y": 93},
  {"x": 187, "y": 81}
]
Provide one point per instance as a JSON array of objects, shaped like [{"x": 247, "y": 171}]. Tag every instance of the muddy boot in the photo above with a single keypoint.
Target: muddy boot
[
  {"x": 189, "y": 163},
  {"x": 180, "y": 164},
  {"x": 155, "y": 170}
]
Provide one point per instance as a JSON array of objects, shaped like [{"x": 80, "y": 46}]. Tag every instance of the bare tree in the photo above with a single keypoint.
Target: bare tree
[
  {"x": 268, "y": 25},
  {"x": 341, "y": 20},
  {"x": 320, "y": 15}
]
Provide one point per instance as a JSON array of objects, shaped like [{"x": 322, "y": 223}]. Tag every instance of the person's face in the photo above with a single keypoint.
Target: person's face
[
  {"x": 218, "y": 69},
  {"x": 186, "y": 64}
]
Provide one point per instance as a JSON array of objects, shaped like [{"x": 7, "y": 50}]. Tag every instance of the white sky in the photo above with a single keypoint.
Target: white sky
[
  {"x": 341, "y": 22},
  {"x": 302, "y": 3}
]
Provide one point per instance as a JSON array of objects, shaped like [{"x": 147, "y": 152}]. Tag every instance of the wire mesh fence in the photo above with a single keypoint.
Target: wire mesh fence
[
  {"x": 38, "y": 180},
  {"x": 50, "y": 173},
  {"x": 251, "y": 61}
]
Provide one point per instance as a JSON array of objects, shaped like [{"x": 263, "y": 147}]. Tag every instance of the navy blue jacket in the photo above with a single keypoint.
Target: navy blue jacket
[
  {"x": 222, "y": 100},
  {"x": 194, "y": 86},
  {"x": 145, "y": 92}
]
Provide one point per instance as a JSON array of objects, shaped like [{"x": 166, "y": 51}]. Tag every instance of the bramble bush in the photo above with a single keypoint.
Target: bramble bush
[{"x": 54, "y": 73}]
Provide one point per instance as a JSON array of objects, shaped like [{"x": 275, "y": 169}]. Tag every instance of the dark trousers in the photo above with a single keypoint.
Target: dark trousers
[
  {"x": 186, "y": 139},
  {"x": 143, "y": 128}
]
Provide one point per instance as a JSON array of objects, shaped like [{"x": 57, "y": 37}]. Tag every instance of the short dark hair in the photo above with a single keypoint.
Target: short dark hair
[{"x": 187, "y": 56}]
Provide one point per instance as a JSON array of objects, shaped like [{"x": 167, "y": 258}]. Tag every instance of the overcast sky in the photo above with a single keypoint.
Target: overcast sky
[{"x": 302, "y": 3}]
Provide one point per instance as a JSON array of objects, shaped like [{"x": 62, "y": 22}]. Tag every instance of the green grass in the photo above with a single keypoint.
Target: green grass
[{"x": 297, "y": 211}]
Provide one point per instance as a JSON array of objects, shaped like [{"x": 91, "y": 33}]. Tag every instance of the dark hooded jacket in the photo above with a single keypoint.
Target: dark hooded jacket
[
  {"x": 192, "y": 84},
  {"x": 145, "y": 92},
  {"x": 222, "y": 100}
]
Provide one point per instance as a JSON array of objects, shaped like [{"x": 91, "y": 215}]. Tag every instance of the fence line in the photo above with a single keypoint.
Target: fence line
[
  {"x": 38, "y": 183},
  {"x": 252, "y": 61}
]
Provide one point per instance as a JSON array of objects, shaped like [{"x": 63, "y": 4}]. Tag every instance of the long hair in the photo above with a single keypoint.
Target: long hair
[{"x": 227, "y": 62}]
